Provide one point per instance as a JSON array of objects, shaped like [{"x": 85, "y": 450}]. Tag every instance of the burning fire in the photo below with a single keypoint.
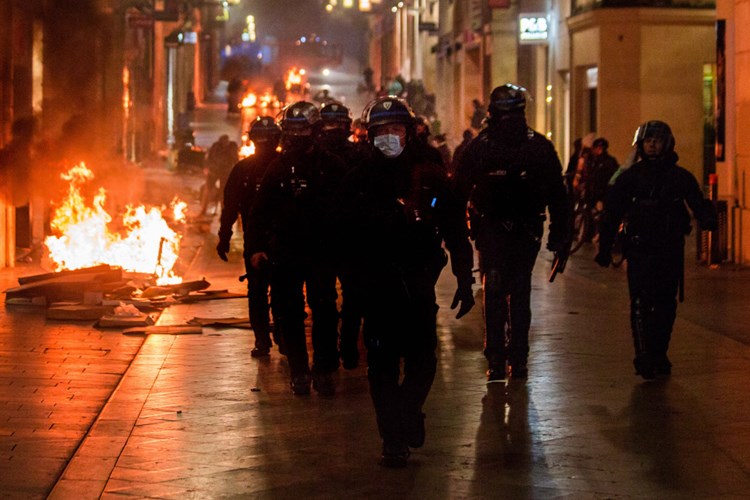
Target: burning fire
[
  {"x": 294, "y": 77},
  {"x": 146, "y": 244},
  {"x": 247, "y": 148}
]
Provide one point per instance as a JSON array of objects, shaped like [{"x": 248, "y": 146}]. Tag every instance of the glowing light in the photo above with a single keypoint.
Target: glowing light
[
  {"x": 145, "y": 244},
  {"x": 247, "y": 150},
  {"x": 326, "y": 71}
]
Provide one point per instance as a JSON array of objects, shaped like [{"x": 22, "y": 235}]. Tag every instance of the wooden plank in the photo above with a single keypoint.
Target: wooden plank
[
  {"x": 80, "y": 312},
  {"x": 23, "y": 280},
  {"x": 62, "y": 288},
  {"x": 165, "y": 330}
]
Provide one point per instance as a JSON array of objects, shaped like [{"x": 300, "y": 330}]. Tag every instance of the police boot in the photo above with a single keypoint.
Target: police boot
[
  {"x": 643, "y": 362},
  {"x": 300, "y": 384},
  {"x": 262, "y": 347},
  {"x": 324, "y": 384},
  {"x": 349, "y": 354},
  {"x": 414, "y": 429},
  {"x": 394, "y": 455}
]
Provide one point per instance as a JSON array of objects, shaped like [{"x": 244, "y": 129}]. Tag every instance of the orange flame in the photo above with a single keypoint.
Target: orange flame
[{"x": 147, "y": 243}]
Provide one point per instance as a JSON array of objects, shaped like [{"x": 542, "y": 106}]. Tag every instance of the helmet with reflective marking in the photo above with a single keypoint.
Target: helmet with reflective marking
[
  {"x": 264, "y": 129},
  {"x": 299, "y": 117},
  {"x": 335, "y": 112},
  {"x": 506, "y": 99},
  {"x": 387, "y": 110}
]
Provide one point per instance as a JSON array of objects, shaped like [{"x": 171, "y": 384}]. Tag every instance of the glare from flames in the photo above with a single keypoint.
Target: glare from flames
[{"x": 146, "y": 244}]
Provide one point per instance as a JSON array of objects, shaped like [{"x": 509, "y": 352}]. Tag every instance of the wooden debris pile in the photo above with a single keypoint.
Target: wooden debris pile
[{"x": 107, "y": 295}]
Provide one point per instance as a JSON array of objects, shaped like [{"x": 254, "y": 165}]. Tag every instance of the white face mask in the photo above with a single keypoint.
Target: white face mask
[{"x": 389, "y": 145}]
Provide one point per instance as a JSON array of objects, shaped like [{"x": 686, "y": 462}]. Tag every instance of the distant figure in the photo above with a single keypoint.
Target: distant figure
[
  {"x": 479, "y": 115},
  {"x": 570, "y": 170},
  {"x": 603, "y": 167},
  {"x": 279, "y": 89},
  {"x": 234, "y": 95},
  {"x": 422, "y": 134},
  {"x": 221, "y": 158},
  {"x": 441, "y": 145},
  {"x": 367, "y": 73},
  {"x": 459, "y": 151}
]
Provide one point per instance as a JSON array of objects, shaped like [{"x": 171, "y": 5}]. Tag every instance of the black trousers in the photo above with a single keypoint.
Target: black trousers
[
  {"x": 400, "y": 323},
  {"x": 292, "y": 282},
  {"x": 352, "y": 311},
  {"x": 506, "y": 261},
  {"x": 258, "y": 284},
  {"x": 653, "y": 281}
]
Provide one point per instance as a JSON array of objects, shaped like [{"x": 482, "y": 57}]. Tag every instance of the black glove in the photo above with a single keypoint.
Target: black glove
[
  {"x": 465, "y": 296},
  {"x": 223, "y": 249},
  {"x": 603, "y": 258}
]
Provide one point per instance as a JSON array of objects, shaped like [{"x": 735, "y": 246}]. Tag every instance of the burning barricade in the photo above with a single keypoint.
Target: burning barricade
[{"x": 105, "y": 267}]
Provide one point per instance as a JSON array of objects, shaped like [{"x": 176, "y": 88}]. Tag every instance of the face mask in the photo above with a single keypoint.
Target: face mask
[{"x": 389, "y": 145}]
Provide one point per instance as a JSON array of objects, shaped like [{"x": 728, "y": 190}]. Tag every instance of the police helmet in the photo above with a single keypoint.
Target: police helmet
[
  {"x": 507, "y": 99},
  {"x": 388, "y": 110},
  {"x": 264, "y": 129},
  {"x": 335, "y": 112},
  {"x": 654, "y": 128},
  {"x": 299, "y": 117}
]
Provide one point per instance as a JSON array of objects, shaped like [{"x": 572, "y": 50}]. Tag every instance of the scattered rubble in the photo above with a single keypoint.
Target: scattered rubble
[{"x": 116, "y": 299}]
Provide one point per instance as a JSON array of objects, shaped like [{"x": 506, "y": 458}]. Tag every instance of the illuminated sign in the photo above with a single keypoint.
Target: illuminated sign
[{"x": 533, "y": 28}]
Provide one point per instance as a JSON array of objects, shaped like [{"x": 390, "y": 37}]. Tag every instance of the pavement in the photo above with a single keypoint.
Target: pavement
[{"x": 86, "y": 413}]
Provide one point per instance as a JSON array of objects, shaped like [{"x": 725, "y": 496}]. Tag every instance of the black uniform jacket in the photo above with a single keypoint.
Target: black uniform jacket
[
  {"x": 240, "y": 191},
  {"x": 394, "y": 215},
  {"x": 292, "y": 218},
  {"x": 653, "y": 197},
  {"x": 514, "y": 183}
]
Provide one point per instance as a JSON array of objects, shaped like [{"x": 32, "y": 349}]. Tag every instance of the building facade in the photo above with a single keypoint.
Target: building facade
[{"x": 733, "y": 121}]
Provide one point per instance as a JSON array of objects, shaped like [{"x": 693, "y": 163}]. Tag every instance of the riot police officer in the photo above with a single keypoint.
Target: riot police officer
[
  {"x": 292, "y": 227},
  {"x": 336, "y": 127},
  {"x": 396, "y": 210},
  {"x": 510, "y": 175},
  {"x": 239, "y": 194},
  {"x": 651, "y": 197}
]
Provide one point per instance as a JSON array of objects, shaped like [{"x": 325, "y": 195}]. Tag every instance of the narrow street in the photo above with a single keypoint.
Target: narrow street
[{"x": 86, "y": 413}]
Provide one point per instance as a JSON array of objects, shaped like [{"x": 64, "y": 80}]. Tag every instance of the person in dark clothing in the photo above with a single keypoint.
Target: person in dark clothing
[
  {"x": 603, "y": 167},
  {"x": 441, "y": 144},
  {"x": 651, "y": 197},
  {"x": 396, "y": 210},
  {"x": 291, "y": 223},
  {"x": 423, "y": 141},
  {"x": 239, "y": 194},
  {"x": 334, "y": 138},
  {"x": 459, "y": 151},
  {"x": 570, "y": 170},
  {"x": 479, "y": 116},
  {"x": 510, "y": 175},
  {"x": 222, "y": 156}
]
